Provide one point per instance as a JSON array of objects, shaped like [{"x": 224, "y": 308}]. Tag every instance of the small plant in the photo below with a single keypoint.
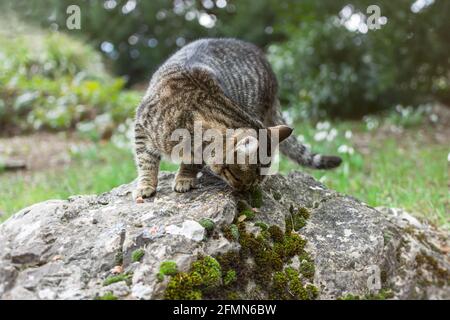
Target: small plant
[
  {"x": 205, "y": 274},
  {"x": 118, "y": 278},
  {"x": 137, "y": 255},
  {"x": 229, "y": 277},
  {"x": 248, "y": 213},
  {"x": 167, "y": 268},
  {"x": 262, "y": 225},
  {"x": 107, "y": 296},
  {"x": 208, "y": 224},
  {"x": 296, "y": 219},
  {"x": 231, "y": 232}
]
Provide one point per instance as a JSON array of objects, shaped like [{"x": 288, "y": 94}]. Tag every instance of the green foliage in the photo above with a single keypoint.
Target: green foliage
[
  {"x": 229, "y": 277},
  {"x": 231, "y": 232},
  {"x": 372, "y": 172},
  {"x": 137, "y": 255},
  {"x": 287, "y": 284},
  {"x": 51, "y": 81},
  {"x": 276, "y": 234},
  {"x": 327, "y": 69},
  {"x": 107, "y": 296},
  {"x": 383, "y": 294},
  {"x": 208, "y": 224},
  {"x": 324, "y": 66},
  {"x": 205, "y": 274},
  {"x": 262, "y": 225},
  {"x": 248, "y": 213},
  {"x": 167, "y": 268},
  {"x": 296, "y": 219},
  {"x": 118, "y": 278},
  {"x": 270, "y": 250}
]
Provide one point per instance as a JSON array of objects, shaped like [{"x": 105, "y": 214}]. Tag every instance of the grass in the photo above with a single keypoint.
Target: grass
[{"x": 404, "y": 173}]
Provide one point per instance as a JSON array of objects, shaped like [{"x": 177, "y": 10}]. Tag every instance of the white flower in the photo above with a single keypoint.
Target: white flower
[
  {"x": 323, "y": 125},
  {"x": 332, "y": 134},
  {"x": 346, "y": 149},
  {"x": 348, "y": 134},
  {"x": 320, "y": 135},
  {"x": 448, "y": 157}
]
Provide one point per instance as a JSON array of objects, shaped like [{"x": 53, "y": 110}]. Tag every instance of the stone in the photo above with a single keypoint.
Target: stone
[
  {"x": 53, "y": 250},
  {"x": 190, "y": 229}
]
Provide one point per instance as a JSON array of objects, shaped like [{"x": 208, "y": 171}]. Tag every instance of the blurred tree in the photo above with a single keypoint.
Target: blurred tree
[
  {"x": 138, "y": 35},
  {"x": 334, "y": 64},
  {"x": 327, "y": 59}
]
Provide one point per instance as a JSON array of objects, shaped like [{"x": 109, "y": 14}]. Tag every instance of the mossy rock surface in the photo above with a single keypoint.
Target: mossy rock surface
[{"x": 303, "y": 242}]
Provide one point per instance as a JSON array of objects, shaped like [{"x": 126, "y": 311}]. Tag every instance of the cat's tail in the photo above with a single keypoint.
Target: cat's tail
[{"x": 299, "y": 153}]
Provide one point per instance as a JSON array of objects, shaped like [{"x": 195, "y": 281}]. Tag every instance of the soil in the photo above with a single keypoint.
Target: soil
[{"x": 40, "y": 150}]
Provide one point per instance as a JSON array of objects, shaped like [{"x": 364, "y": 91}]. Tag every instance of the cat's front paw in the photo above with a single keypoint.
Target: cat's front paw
[
  {"x": 184, "y": 184},
  {"x": 142, "y": 192}
]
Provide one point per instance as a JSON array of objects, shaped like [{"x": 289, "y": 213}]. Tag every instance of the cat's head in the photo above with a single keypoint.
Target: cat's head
[{"x": 248, "y": 166}]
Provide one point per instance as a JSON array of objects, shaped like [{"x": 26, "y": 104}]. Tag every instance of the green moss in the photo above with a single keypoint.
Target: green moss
[
  {"x": 229, "y": 277},
  {"x": 209, "y": 270},
  {"x": 167, "y": 268},
  {"x": 307, "y": 268},
  {"x": 293, "y": 245},
  {"x": 208, "y": 224},
  {"x": 349, "y": 296},
  {"x": 231, "y": 232},
  {"x": 117, "y": 278},
  {"x": 249, "y": 213},
  {"x": 261, "y": 259},
  {"x": 137, "y": 255},
  {"x": 107, "y": 296},
  {"x": 205, "y": 274},
  {"x": 431, "y": 264},
  {"x": 287, "y": 284},
  {"x": 276, "y": 234},
  {"x": 383, "y": 294},
  {"x": 297, "y": 219},
  {"x": 262, "y": 225},
  {"x": 256, "y": 197},
  {"x": 184, "y": 286},
  {"x": 232, "y": 295}
]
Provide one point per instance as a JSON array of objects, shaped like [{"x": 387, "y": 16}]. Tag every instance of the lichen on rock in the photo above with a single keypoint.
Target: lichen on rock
[{"x": 304, "y": 241}]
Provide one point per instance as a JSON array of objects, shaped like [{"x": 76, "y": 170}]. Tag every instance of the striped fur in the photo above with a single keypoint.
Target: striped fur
[{"x": 223, "y": 83}]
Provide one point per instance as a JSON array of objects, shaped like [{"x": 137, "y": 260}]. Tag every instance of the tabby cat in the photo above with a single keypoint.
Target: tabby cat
[{"x": 221, "y": 83}]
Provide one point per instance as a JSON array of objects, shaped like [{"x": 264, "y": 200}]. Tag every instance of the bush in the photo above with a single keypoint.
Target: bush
[
  {"x": 322, "y": 72},
  {"x": 51, "y": 81},
  {"x": 328, "y": 68}
]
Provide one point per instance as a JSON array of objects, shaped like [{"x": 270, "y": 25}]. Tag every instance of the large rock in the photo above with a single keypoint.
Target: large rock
[{"x": 65, "y": 249}]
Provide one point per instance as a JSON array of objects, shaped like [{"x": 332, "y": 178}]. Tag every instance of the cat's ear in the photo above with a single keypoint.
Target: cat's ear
[
  {"x": 281, "y": 131},
  {"x": 247, "y": 146}
]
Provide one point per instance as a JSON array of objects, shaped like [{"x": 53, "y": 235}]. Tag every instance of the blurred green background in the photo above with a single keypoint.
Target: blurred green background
[{"x": 378, "y": 97}]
